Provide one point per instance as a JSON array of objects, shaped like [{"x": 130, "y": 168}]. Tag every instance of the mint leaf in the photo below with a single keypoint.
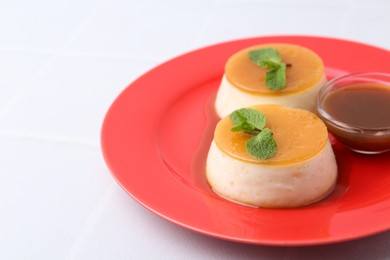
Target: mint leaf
[
  {"x": 262, "y": 146},
  {"x": 269, "y": 58},
  {"x": 244, "y": 126},
  {"x": 246, "y": 119},
  {"x": 251, "y": 121},
  {"x": 276, "y": 78}
]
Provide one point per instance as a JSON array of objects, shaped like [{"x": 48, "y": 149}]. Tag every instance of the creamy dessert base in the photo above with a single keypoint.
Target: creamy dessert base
[
  {"x": 272, "y": 186},
  {"x": 230, "y": 98}
]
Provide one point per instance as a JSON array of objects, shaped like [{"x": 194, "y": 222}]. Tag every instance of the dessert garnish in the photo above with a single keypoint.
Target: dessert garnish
[
  {"x": 269, "y": 58},
  {"x": 262, "y": 145}
]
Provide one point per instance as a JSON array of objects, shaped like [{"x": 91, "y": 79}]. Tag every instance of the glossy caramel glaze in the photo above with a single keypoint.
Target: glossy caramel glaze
[
  {"x": 304, "y": 71},
  {"x": 299, "y": 135}
]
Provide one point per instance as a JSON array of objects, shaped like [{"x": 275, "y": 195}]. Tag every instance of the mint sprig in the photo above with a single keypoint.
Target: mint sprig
[
  {"x": 269, "y": 58},
  {"x": 262, "y": 145},
  {"x": 248, "y": 120}
]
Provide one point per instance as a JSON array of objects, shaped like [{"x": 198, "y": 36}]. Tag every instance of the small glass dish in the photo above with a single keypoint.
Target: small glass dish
[{"x": 356, "y": 109}]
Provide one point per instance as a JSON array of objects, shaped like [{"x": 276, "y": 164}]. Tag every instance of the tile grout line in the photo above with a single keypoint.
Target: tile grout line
[
  {"x": 208, "y": 20},
  {"x": 85, "y": 21},
  {"x": 27, "y": 86},
  {"x": 44, "y": 138},
  {"x": 93, "y": 217},
  {"x": 81, "y": 54},
  {"x": 91, "y": 222},
  {"x": 45, "y": 68},
  {"x": 50, "y": 62}
]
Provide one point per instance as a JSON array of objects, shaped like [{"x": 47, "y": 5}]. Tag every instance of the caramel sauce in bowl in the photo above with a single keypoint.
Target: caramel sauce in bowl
[{"x": 356, "y": 110}]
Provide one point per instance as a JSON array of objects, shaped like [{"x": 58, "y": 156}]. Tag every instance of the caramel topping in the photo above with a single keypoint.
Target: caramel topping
[
  {"x": 305, "y": 70},
  {"x": 299, "y": 135}
]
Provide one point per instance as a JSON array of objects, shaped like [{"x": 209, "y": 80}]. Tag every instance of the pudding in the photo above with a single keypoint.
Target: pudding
[
  {"x": 303, "y": 170},
  {"x": 244, "y": 83}
]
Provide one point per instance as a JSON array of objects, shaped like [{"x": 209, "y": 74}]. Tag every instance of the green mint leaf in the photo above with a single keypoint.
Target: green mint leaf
[
  {"x": 276, "y": 78},
  {"x": 263, "y": 145},
  {"x": 269, "y": 64},
  {"x": 246, "y": 119},
  {"x": 238, "y": 117},
  {"x": 268, "y": 58},
  {"x": 244, "y": 126},
  {"x": 253, "y": 132},
  {"x": 251, "y": 121}
]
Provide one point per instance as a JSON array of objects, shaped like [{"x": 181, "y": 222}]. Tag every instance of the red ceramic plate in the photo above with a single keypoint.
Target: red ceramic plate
[{"x": 156, "y": 134}]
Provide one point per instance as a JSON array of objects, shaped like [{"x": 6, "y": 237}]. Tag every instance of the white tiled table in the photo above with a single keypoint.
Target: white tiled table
[{"x": 62, "y": 63}]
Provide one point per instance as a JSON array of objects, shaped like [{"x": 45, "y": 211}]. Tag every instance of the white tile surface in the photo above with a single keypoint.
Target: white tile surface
[
  {"x": 145, "y": 29},
  {"x": 247, "y": 18},
  {"x": 62, "y": 63},
  {"x": 18, "y": 69},
  {"x": 69, "y": 101},
  {"x": 41, "y": 25},
  {"x": 48, "y": 190},
  {"x": 369, "y": 22}
]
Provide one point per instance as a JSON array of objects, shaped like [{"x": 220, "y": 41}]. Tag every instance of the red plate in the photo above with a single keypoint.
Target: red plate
[{"x": 156, "y": 135}]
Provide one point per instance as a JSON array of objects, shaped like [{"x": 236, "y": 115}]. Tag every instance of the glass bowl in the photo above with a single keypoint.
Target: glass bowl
[{"x": 356, "y": 109}]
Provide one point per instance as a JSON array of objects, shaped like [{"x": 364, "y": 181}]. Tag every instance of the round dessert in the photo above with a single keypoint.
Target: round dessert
[
  {"x": 244, "y": 82},
  {"x": 303, "y": 170}
]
